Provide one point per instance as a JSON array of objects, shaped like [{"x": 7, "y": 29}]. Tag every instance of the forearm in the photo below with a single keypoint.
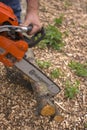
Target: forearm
[
  {"x": 32, "y": 16},
  {"x": 32, "y": 5}
]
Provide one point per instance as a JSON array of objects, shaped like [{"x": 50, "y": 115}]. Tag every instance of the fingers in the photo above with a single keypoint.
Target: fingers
[
  {"x": 35, "y": 29},
  {"x": 33, "y": 18}
]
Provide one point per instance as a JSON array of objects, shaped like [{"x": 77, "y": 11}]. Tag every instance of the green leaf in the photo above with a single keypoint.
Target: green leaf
[
  {"x": 58, "y": 21},
  {"x": 80, "y": 69},
  {"x": 71, "y": 90},
  {"x": 55, "y": 73},
  {"x": 43, "y": 64}
]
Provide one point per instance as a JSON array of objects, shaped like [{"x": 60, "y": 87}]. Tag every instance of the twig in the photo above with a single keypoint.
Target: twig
[{"x": 58, "y": 104}]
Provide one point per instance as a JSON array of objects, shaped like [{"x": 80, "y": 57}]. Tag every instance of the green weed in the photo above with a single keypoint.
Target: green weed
[
  {"x": 85, "y": 125},
  {"x": 53, "y": 38},
  {"x": 67, "y": 3},
  {"x": 43, "y": 64},
  {"x": 55, "y": 73},
  {"x": 80, "y": 69},
  {"x": 84, "y": 26},
  {"x": 42, "y": 44},
  {"x": 71, "y": 90},
  {"x": 58, "y": 21},
  {"x": 66, "y": 33}
]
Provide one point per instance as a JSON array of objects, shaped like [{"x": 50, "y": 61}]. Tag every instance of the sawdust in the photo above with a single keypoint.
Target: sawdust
[{"x": 17, "y": 103}]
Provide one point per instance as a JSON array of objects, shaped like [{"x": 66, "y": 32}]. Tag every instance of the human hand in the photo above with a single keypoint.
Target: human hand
[{"x": 32, "y": 18}]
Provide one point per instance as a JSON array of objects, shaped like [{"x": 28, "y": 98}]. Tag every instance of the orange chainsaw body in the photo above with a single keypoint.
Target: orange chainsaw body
[
  {"x": 7, "y": 15},
  {"x": 11, "y": 50}
]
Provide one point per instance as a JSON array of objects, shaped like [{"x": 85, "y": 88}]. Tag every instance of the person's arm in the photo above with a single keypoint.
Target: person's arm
[
  {"x": 32, "y": 16},
  {"x": 32, "y": 5}
]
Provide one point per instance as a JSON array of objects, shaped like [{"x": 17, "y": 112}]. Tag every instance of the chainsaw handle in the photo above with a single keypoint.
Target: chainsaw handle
[
  {"x": 36, "y": 38},
  {"x": 29, "y": 28}
]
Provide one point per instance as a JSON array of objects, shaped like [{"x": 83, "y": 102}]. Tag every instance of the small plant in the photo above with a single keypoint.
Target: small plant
[
  {"x": 43, "y": 64},
  {"x": 58, "y": 21},
  {"x": 80, "y": 69},
  {"x": 66, "y": 33},
  {"x": 67, "y": 3},
  {"x": 85, "y": 125},
  {"x": 84, "y": 26},
  {"x": 55, "y": 73},
  {"x": 53, "y": 38},
  {"x": 42, "y": 44},
  {"x": 71, "y": 90}
]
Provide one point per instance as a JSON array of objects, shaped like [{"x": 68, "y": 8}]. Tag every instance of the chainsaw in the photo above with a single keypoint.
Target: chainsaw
[{"x": 14, "y": 44}]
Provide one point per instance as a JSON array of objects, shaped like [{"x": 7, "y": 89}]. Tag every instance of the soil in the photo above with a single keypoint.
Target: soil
[{"x": 17, "y": 102}]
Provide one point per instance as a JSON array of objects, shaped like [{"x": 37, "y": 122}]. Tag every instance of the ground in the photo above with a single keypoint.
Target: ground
[{"x": 17, "y": 103}]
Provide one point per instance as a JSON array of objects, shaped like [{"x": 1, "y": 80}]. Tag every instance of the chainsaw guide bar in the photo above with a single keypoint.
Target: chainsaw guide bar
[{"x": 37, "y": 75}]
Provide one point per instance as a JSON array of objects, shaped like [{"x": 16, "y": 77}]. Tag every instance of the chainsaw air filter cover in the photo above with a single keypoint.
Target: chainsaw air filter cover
[{"x": 7, "y": 15}]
